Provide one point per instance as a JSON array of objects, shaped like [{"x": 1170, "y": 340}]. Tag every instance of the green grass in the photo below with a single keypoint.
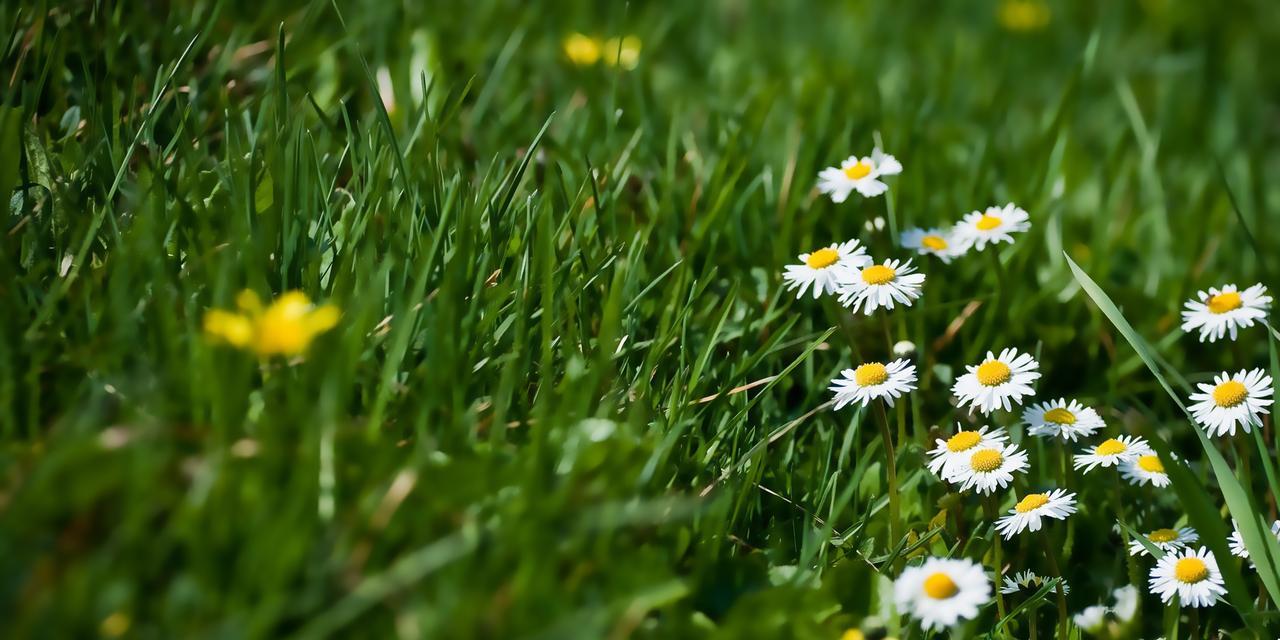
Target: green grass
[{"x": 568, "y": 395}]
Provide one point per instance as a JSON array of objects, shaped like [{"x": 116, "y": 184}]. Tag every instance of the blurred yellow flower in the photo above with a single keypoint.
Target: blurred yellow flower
[
  {"x": 853, "y": 634},
  {"x": 1023, "y": 15},
  {"x": 286, "y": 327},
  {"x": 582, "y": 50},
  {"x": 623, "y": 52}
]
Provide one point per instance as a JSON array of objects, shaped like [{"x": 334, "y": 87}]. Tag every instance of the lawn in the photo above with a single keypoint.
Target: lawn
[{"x": 472, "y": 319}]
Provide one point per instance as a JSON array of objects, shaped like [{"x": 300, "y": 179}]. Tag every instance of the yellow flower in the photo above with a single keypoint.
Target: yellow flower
[
  {"x": 853, "y": 634},
  {"x": 582, "y": 50},
  {"x": 286, "y": 327},
  {"x": 623, "y": 52},
  {"x": 1023, "y": 15}
]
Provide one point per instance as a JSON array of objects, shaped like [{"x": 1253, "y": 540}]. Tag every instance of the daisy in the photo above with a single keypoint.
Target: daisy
[
  {"x": 1221, "y": 312},
  {"x": 1166, "y": 540},
  {"x": 1029, "y": 580},
  {"x": 989, "y": 469},
  {"x": 935, "y": 242},
  {"x": 1111, "y": 452},
  {"x": 1232, "y": 400},
  {"x": 1145, "y": 468},
  {"x": 1061, "y": 419},
  {"x": 997, "y": 380},
  {"x": 880, "y": 285},
  {"x": 820, "y": 267},
  {"x": 995, "y": 225},
  {"x": 861, "y": 174},
  {"x": 1192, "y": 575},
  {"x": 1235, "y": 541},
  {"x": 1033, "y": 508},
  {"x": 942, "y": 591},
  {"x": 1091, "y": 618},
  {"x": 1126, "y": 605},
  {"x": 874, "y": 380},
  {"x": 954, "y": 452}
]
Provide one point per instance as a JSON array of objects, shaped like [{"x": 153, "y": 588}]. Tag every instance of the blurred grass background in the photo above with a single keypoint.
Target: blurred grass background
[{"x": 555, "y": 282}]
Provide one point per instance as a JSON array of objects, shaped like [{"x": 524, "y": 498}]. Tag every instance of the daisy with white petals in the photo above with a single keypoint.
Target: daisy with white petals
[
  {"x": 858, "y": 174},
  {"x": 1165, "y": 540},
  {"x": 1235, "y": 542},
  {"x": 1061, "y": 419},
  {"x": 1033, "y": 508},
  {"x": 820, "y": 268},
  {"x": 995, "y": 225},
  {"x": 874, "y": 380},
  {"x": 1030, "y": 581},
  {"x": 990, "y": 469},
  {"x": 996, "y": 381},
  {"x": 880, "y": 285},
  {"x": 1233, "y": 400},
  {"x": 1112, "y": 452},
  {"x": 1220, "y": 312},
  {"x": 954, "y": 452},
  {"x": 935, "y": 242},
  {"x": 1192, "y": 575},
  {"x": 942, "y": 592},
  {"x": 1146, "y": 468}
]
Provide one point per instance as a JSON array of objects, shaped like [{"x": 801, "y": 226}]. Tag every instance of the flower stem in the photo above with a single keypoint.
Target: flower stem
[
  {"x": 989, "y": 506},
  {"x": 1052, "y": 555},
  {"x": 891, "y": 472}
]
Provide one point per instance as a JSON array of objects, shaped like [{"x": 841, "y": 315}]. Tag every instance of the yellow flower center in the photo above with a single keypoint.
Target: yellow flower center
[
  {"x": 963, "y": 441},
  {"x": 993, "y": 372},
  {"x": 870, "y": 373},
  {"x": 877, "y": 274},
  {"x": 1032, "y": 502},
  {"x": 940, "y": 586},
  {"x": 858, "y": 171},
  {"x": 937, "y": 243},
  {"x": 1229, "y": 394},
  {"x": 1110, "y": 447},
  {"x": 1058, "y": 415},
  {"x": 1190, "y": 570},
  {"x": 987, "y": 223},
  {"x": 822, "y": 258},
  {"x": 986, "y": 460},
  {"x": 1224, "y": 302},
  {"x": 1163, "y": 535},
  {"x": 1151, "y": 464}
]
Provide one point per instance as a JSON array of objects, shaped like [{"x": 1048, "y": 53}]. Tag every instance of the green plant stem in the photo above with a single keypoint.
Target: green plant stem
[
  {"x": 989, "y": 506},
  {"x": 1052, "y": 555},
  {"x": 891, "y": 473}
]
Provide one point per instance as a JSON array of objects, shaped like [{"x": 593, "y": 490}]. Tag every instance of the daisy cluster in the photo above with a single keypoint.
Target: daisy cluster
[{"x": 985, "y": 460}]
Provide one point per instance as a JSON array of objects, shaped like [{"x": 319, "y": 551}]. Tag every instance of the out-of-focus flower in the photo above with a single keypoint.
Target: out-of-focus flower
[
  {"x": 581, "y": 50},
  {"x": 285, "y": 327},
  {"x": 622, "y": 52},
  {"x": 1023, "y": 15}
]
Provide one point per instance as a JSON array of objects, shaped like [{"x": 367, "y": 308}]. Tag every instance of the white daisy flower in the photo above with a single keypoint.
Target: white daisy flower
[
  {"x": 858, "y": 174},
  {"x": 990, "y": 469},
  {"x": 995, "y": 225},
  {"x": 1091, "y": 618},
  {"x": 1061, "y": 419},
  {"x": 1192, "y": 575},
  {"x": 880, "y": 285},
  {"x": 874, "y": 380},
  {"x": 1235, "y": 542},
  {"x": 935, "y": 242},
  {"x": 820, "y": 267},
  {"x": 1145, "y": 469},
  {"x": 1165, "y": 539},
  {"x": 996, "y": 381},
  {"x": 1112, "y": 452},
  {"x": 942, "y": 592},
  {"x": 1219, "y": 312},
  {"x": 1126, "y": 605},
  {"x": 1233, "y": 400},
  {"x": 1033, "y": 508},
  {"x": 904, "y": 348},
  {"x": 954, "y": 452},
  {"x": 1030, "y": 581}
]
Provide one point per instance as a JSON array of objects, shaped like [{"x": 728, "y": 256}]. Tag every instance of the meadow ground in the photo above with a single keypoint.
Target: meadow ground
[{"x": 554, "y": 385}]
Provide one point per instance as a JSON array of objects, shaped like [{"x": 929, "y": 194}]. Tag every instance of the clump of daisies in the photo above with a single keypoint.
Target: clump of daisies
[
  {"x": 1029, "y": 513},
  {"x": 878, "y": 286},
  {"x": 819, "y": 269},
  {"x": 1190, "y": 574},
  {"x": 989, "y": 468},
  {"x": 1221, "y": 312},
  {"x": 1233, "y": 400},
  {"x": 993, "y": 226},
  {"x": 1062, "y": 419},
  {"x": 943, "y": 244},
  {"x": 874, "y": 380},
  {"x": 952, "y": 455},
  {"x": 942, "y": 592},
  {"x": 858, "y": 174},
  {"x": 998, "y": 382},
  {"x": 1165, "y": 540}
]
